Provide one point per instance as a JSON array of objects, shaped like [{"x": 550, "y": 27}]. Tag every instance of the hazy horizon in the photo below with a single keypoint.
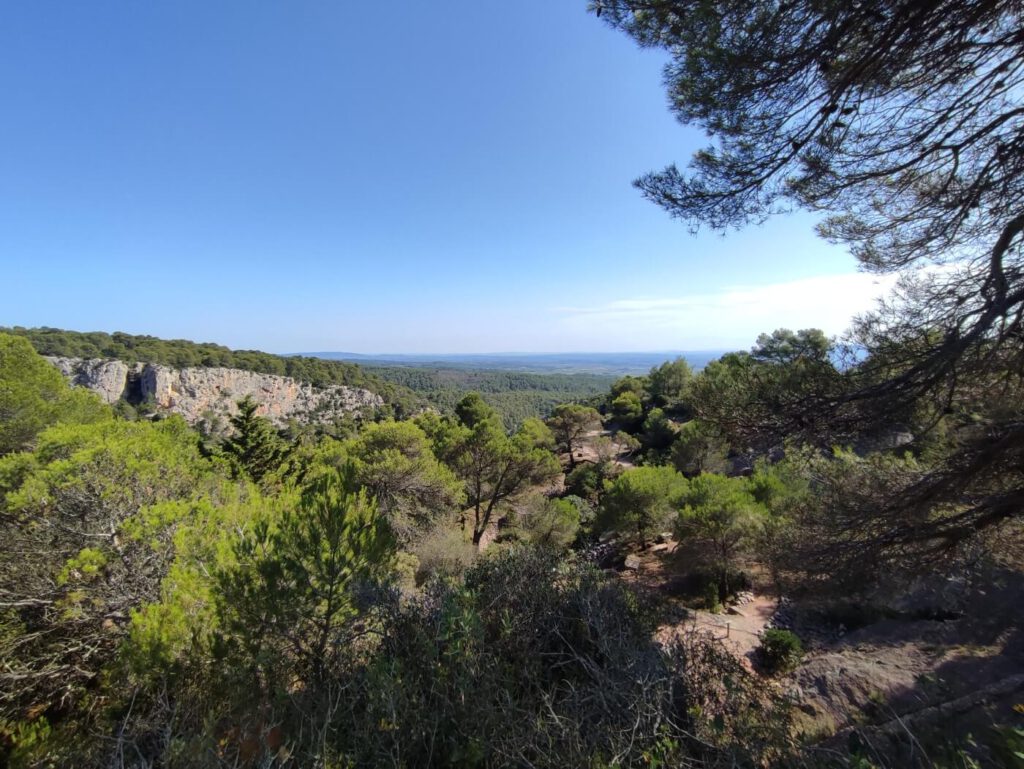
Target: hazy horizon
[{"x": 506, "y": 353}]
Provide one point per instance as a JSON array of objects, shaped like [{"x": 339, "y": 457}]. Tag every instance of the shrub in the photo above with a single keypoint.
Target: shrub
[
  {"x": 540, "y": 661},
  {"x": 585, "y": 481},
  {"x": 551, "y": 523},
  {"x": 711, "y": 599},
  {"x": 444, "y": 552},
  {"x": 780, "y": 650}
]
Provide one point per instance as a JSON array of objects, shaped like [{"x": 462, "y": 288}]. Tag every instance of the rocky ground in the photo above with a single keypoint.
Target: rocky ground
[
  {"x": 940, "y": 663},
  {"x": 939, "y": 657}
]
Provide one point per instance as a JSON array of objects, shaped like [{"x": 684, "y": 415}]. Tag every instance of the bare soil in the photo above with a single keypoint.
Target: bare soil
[
  {"x": 588, "y": 454},
  {"x": 738, "y": 626}
]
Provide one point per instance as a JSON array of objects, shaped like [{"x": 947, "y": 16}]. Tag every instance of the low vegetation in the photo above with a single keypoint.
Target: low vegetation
[{"x": 780, "y": 650}]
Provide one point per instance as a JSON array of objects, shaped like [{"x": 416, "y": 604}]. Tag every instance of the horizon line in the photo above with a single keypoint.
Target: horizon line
[{"x": 512, "y": 352}]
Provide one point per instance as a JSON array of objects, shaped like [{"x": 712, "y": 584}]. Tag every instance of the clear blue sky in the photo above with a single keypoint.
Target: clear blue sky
[{"x": 370, "y": 177}]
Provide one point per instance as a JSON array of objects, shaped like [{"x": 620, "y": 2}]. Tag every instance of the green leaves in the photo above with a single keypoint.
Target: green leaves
[
  {"x": 641, "y": 500},
  {"x": 570, "y": 424},
  {"x": 494, "y": 467},
  {"x": 67, "y": 559},
  {"x": 394, "y": 463},
  {"x": 699, "y": 447},
  {"x": 669, "y": 384},
  {"x": 289, "y": 601},
  {"x": 473, "y": 410},
  {"x": 720, "y": 513},
  {"x": 551, "y": 522},
  {"x": 255, "y": 448},
  {"x": 34, "y": 395},
  {"x": 627, "y": 409},
  {"x": 784, "y": 346},
  {"x": 720, "y": 510},
  {"x": 780, "y": 650}
]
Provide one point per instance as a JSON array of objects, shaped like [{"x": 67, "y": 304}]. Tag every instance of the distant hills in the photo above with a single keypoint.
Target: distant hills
[{"x": 604, "y": 363}]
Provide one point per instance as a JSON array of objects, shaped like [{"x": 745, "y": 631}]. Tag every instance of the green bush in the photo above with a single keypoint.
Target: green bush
[
  {"x": 711, "y": 598},
  {"x": 443, "y": 552},
  {"x": 550, "y": 522},
  {"x": 780, "y": 650}
]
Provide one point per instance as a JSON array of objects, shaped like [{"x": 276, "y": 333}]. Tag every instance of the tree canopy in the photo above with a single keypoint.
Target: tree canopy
[
  {"x": 255, "y": 448},
  {"x": 784, "y": 346},
  {"x": 34, "y": 395},
  {"x": 570, "y": 422},
  {"x": 496, "y": 468},
  {"x": 903, "y": 124},
  {"x": 719, "y": 512},
  {"x": 901, "y": 121},
  {"x": 669, "y": 383},
  {"x": 641, "y": 500},
  {"x": 393, "y": 461}
]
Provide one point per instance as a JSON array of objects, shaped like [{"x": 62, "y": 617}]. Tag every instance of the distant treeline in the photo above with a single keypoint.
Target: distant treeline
[{"x": 516, "y": 396}]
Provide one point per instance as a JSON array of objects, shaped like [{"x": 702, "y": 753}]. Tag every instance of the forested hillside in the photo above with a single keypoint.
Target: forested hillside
[
  {"x": 182, "y": 353},
  {"x": 516, "y": 396}
]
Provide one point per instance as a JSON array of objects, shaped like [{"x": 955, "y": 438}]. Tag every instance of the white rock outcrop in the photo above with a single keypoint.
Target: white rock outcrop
[{"x": 194, "y": 392}]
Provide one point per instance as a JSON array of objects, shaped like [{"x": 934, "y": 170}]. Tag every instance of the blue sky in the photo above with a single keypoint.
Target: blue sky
[{"x": 369, "y": 177}]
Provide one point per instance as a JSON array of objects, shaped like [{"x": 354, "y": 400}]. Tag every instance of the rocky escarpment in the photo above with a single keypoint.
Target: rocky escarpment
[{"x": 195, "y": 393}]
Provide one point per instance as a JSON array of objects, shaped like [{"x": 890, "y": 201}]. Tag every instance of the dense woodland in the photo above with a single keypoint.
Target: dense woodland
[
  {"x": 450, "y": 590},
  {"x": 514, "y": 395}
]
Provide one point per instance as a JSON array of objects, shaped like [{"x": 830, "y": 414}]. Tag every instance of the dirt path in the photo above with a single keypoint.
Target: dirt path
[
  {"x": 588, "y": 453},
  {"x": 739, "y": 626}
]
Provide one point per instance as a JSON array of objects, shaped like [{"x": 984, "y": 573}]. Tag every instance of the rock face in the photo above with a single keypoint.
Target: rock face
[{"x": 195, "y": 392}]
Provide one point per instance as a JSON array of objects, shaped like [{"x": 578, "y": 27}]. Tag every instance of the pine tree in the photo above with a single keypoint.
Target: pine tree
[
  {"x": 289, "y": 605},
  {"x": 254, "y": 448}
]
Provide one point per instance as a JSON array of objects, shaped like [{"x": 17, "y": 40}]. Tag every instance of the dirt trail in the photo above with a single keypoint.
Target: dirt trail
[
  {"x": 588, "y": 453},
  {"x": 739, "y": 629},
  {"x": 739, "y": 626}
]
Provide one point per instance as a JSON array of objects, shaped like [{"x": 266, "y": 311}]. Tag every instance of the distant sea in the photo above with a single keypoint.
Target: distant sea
[{"x": 617, "y": 363}]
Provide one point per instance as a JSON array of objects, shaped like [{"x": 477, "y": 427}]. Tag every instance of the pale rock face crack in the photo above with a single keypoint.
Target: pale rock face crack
[{"x": 191, "y": 392}]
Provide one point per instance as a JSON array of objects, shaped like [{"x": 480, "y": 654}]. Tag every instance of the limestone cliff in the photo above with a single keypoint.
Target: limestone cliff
[{"x": 194, "y": 392}]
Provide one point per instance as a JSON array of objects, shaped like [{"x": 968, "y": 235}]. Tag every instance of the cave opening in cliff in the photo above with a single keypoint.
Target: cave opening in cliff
[{"x": 133, "y": 388}]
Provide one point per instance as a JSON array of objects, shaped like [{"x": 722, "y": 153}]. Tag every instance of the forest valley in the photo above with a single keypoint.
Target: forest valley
[
  {"x": 635, "y": 581},
  {"x": 805, "y": 555}
]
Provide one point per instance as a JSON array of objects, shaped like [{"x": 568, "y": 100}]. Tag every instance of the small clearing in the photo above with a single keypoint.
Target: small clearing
[{"x": 738, "y": 626}]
